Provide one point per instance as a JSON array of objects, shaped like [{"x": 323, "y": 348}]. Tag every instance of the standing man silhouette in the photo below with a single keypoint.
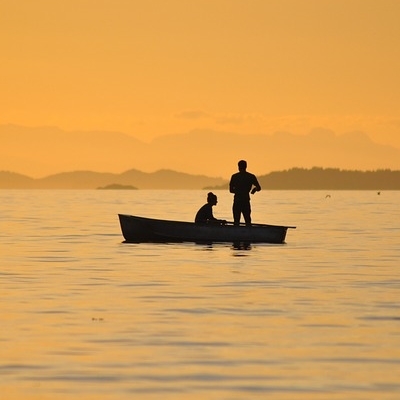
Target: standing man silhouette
[{"x": 242, "y": 184}]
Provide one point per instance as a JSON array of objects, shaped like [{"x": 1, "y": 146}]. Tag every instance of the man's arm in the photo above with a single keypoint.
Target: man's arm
[
  {"x": 256, "y": 187},
  {"x": 232, "y": 185}
]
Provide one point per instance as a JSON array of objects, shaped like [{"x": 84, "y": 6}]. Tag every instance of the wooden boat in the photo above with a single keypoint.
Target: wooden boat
[{"x": 139, "y": 229}]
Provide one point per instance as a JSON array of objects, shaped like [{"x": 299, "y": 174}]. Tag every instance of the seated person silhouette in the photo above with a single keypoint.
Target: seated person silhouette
[{"x": 205, "y": 214}]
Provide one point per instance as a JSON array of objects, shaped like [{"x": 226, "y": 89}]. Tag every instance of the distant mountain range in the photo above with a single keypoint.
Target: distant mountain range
[
  {"x": 295, "y": 178},
  {"x": 162, "y": 179},
  {"x": 43, "y": 151}
]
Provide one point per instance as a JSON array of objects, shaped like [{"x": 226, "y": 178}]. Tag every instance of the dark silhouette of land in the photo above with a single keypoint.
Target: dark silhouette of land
[
  {"x": 116, "y": 186},
  {"x": 327, "y": 179},
  {"x": 292, "y": 179},
  {"x": 331, "y": 178}
]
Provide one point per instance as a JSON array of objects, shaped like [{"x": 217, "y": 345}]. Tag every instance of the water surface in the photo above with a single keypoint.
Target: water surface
[{"x": 86, "y": 316}]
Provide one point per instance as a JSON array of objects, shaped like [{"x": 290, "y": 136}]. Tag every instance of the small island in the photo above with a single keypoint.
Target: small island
[{"x": 116, "y": 186}]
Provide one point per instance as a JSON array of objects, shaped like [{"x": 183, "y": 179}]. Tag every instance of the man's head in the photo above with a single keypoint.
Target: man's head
[{"x": 242, "y": 165}]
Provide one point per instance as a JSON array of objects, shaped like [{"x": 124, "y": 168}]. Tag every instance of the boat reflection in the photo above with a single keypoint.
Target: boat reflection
[
  {"x": 241, "y": 245},
  {"x": 235, "y": 245}
]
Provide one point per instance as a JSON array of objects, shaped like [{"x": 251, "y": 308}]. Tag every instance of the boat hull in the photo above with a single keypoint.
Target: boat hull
[{"x": 140, "y": 229}]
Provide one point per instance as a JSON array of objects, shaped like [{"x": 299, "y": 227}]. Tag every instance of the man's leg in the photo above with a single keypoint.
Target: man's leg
[
  {"x": 246, "y": 210},
  {"x": 236, "y": 210}
]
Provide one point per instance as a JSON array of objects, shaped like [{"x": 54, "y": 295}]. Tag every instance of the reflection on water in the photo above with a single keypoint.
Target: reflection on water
[
  {"x": 87, "y": 316},
  {"x": 241, "y": 246}
]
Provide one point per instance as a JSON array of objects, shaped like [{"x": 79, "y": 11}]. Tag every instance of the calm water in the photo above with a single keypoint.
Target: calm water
[{"x": 86, "y": 316}]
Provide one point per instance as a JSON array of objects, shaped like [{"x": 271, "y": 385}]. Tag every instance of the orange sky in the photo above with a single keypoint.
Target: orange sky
[{"x": 152, "y": 67}]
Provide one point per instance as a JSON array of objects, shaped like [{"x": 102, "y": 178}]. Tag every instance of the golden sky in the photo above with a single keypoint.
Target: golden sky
[{"x": 154, "y": 67}]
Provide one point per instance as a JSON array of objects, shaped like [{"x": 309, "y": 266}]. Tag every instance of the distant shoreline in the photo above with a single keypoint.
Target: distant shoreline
[
  {"x": 116, "y": 186},
  {"x": 315, "y": 178}
]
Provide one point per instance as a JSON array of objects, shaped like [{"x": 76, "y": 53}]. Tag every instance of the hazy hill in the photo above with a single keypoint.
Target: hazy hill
[
  {"x": 295, "y": 178},
  {"x": 43, "y": 151},
  {"x": 162, "y": 179},
  {"x": 12, "y": 180}
]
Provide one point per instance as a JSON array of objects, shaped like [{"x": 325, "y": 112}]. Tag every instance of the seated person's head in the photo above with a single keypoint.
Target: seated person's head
[{"x": 212, "y": 198}]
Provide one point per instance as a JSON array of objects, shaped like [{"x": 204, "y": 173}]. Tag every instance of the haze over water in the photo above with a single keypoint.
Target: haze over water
[{"x": 87, "y": 316}]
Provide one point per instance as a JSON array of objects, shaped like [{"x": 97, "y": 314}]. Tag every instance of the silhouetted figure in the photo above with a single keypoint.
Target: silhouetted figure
[
  {"x": 205, "y": 214},
  {"x": 242, "y": 184}
]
